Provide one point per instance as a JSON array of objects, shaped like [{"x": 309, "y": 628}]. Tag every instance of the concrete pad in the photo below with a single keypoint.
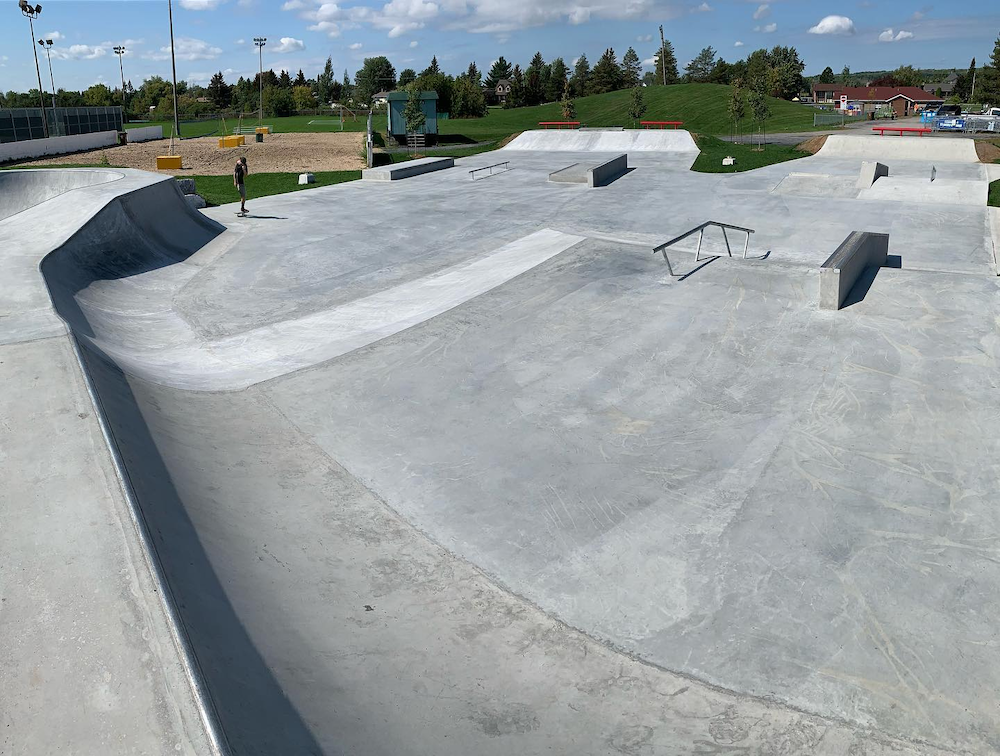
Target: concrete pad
[
  {"x": 566, "y": 140},
  {"x": 890, "y": 148},
  {"x": 924, "y": 191},
  {"x": 407, "y": 169}
]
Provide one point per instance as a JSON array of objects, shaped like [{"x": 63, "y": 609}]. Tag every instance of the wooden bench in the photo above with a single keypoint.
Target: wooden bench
[
  {"x": 661, "y": 124},
  {"x": 560, "y": 124},
  {"x": 900, "y": 129}
]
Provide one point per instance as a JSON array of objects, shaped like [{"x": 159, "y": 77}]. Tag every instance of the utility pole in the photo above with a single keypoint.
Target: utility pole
[
  {"x": 173, "y": 67},
  {"x": 260, "y": 42},
  {"x": 663, "y": 59},
  {"x": 119, "y": 51},
  {"x": 972, "y": 97},
  {"x": 47, "y": 45},
  {"x": 32, "y": 14}
]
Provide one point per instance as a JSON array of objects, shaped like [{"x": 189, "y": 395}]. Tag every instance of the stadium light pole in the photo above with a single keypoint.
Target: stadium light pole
[
  {"x": 47, "y": 45},
  {"x": 260, "y": 42},
  {"x": 119, "y": 51},
  {"x": 663, "y": 62},
  {"x": 173, "y": 67},
  {"x": 32, "y": 13}
]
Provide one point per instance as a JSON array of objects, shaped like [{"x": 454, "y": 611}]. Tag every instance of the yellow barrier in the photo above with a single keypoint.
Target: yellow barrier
[
  {"x": 263, "y": 130},
  {"x": 232, "y": 141},
  {"x": 168, "y": 162}
]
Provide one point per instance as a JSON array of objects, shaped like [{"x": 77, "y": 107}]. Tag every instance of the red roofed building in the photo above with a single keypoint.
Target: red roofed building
[{"x": 904, "y": 100}]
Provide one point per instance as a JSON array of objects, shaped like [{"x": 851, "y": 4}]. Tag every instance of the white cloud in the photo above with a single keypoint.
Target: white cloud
[
  {"x": 644, "y": 38},
  {"x": 188, "y": 48},
  {"x": 293, "y": 5},
  {"x": 703, "y": 8},
  {"x": 646, "y": 62},
  {"x": 79, "y": 52},
  {"x": 763, "y": 11},
  {"x": 836, "y": 25},
  {"x": 54, "y": 36},
  {"x": 327, "y": 27},
  {"x": 889, "y": 36},
  {"x": 767, "y": 28},
  {"x": 289, "y": 44},
  {"x": 738, "y": 44},
  {"x": 201, "y": 5},
  {"x": 356, "y": 46},
  {"x": 240, "y": 42},
  {"x": 414, "y": 43}
]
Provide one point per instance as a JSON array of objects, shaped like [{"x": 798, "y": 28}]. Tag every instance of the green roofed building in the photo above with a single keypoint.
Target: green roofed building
[{"x": 397, "y": 123}]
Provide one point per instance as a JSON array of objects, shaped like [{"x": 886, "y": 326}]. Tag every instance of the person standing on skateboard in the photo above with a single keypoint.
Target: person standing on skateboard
[{"x": 239, "y": 176}]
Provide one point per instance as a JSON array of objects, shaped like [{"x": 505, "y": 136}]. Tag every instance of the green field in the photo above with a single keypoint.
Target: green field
[
  {"x": 994, "y": 200},
  {"x": 702, "y": 108},
  {"x": 219, "y": 190},
  {"x": 747, "y": 158}
]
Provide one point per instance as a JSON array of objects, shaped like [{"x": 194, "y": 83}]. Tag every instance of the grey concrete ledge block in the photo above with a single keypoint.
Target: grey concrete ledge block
[
  {"x": 407, "y": 169},
  {"x": 837, "y": 276}
]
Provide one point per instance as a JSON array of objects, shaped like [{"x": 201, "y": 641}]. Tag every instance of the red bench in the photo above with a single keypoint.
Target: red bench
[
  {"x": 661, "y": 124},
  {"x": 560, "y": 124},
  {"x": 908, "y": 129}
]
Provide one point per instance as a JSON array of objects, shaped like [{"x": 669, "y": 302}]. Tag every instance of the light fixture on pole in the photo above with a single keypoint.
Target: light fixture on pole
[
  {"x": 260, "y": 42},
  {"x": 173, "y": 67},
  {"x": 47, "y": 45},
  {"x": 119, "y": 51},
  {"x": 32, "y": 14}
]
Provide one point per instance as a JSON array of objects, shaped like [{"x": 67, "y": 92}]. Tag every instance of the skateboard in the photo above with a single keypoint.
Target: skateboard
[{"x": 243, "y": 215}]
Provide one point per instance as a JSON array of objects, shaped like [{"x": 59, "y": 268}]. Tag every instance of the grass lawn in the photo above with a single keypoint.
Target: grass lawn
[
  {"x": 457, "y": 151},
  {"x": 702, "y": 107},
  {"x": 994, "y": 200},
  {"x": 714, "y": 149},
  {"x": 219, "y": 190}
]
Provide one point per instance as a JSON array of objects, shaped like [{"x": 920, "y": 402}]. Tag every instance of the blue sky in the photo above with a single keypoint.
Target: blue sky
[{"x": 213, "y": 35}]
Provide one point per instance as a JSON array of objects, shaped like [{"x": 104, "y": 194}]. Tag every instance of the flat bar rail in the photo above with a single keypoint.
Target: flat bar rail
[
  {"x": 700, "y": 230},
  {"x": 505, "y": 164}
]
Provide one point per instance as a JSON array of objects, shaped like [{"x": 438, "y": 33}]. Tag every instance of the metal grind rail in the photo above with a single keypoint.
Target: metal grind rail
[
  {"x": 505, "y": 164},
  {"x": 700, "y": 230}
]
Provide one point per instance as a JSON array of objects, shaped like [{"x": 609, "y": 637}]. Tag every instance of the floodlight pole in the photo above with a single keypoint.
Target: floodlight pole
[
  {"x": 260, "y": 42},
  {"x": 663, "y": 59},
  {"x": 173, "y": 67},
  {"x": 47, "y": 44},
  {"x": 120, "y": 50},
  {"x": 32, "y": 14}
]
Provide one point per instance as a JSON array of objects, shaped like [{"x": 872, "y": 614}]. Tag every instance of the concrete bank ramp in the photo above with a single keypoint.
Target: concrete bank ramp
[
  {"x": 889, "y": 148},
  {"x": 20, "y": 190},
  {"x": 565, "y": 140}
]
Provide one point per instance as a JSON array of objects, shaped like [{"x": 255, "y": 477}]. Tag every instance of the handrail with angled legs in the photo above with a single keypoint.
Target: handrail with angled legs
[{"x": 701, "y": 235}]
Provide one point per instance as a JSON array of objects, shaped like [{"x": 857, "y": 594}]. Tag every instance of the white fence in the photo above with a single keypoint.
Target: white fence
[
  {"x": 145, "y": 133},
  {"x": 33, "y": 148}
]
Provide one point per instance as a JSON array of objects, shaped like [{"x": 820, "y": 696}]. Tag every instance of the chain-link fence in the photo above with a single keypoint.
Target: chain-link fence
[
  {"x": 828, "y": 119},
  {"x": 21, "y": 124}
]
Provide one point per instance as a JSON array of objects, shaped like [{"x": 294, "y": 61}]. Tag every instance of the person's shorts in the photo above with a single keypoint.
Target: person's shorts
[{"x": 243, "y": 190}]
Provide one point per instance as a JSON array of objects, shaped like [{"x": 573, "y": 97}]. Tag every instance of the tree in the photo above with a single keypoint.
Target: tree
[
  {"x": 406, "y": 77},
  {"x": 413, "y": 113},
  {"x": 533, "y": 92},
  {"x": 827, "y": 76},
  {"x": 218, "y": 91},
  {"x": 721, "y": 72},
  {"x": 433, "y": 68},
  {"x": 908, "y": 76},
  {"x": 580, "y": 82},
  {"x": 278, "y": 101},
  {"x": 99, "y": 95},
  {"x": 324, "y": 84},
  {"x": 671, "y": 64},
  {"x": 558, "y": 79},
  {"x": 991, "y": 78},
  {"x": 376, "y": 74},
  {"x": 607, "y": 74},
  {"x": 700, "y": 69},
  {"x": 636, "y": 106},
  {"x": 347, "y": 89},
  {"x": 567, "y": 105},
  {"x": 786, "y": 67},
  {"x": 300, "y": 79},
  {"x": 845, "y": 76},
  {"x": 631, "y": 68},
  {"x": 760, "y": 108},
  {"x": 737, "y": 109},
  {"x": 500, "y": 69},
  {"x": 516, "y": 97},
  {"x": 467, "y": 100},
  {"x": 473, "y": 75},
  {"x": 285, "y": 81},
  {"x": 303, "y": 98},
  {"x": 440, "y": 83}
]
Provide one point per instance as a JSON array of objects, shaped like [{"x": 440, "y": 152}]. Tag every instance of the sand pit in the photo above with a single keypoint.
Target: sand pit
[{"x": 203, "y": 157}]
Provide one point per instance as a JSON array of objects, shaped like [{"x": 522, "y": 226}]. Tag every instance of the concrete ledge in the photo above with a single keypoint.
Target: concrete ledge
[
  {"x": 60, "y": 145},
  {"x": 144, "y": 134},
  {"x": 407, "y": 169},
  {"x": 606, "y": 172},
  {"x": 575, "y": 173},
  {"x": 871, "y": 172},
  {"x": 837, "y": 276}
]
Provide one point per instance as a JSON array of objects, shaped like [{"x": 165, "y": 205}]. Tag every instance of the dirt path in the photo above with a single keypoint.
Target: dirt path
[{"x": 203, "y": 157}]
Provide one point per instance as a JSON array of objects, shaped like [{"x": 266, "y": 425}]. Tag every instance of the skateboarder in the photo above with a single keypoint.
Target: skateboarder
[{"x": 240, "y": 172}]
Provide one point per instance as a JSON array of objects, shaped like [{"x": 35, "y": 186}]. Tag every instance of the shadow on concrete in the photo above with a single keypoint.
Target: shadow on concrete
[{"x": 866, "y": 279}]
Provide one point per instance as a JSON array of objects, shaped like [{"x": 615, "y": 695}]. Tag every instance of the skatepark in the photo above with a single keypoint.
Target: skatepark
[{"x": 455, "y": 464}]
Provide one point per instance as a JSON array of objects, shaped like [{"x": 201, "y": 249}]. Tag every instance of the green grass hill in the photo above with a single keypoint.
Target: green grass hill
[{"x": 702, "y": 107}]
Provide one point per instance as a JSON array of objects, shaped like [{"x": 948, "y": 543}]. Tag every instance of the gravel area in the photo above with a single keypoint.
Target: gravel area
[{"x": 203, "y": 157}]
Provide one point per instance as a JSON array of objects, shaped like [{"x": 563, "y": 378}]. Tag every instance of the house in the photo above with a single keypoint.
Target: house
[
  {"x": 904, "y": 101},
  {"x": 397, "y": 122},
  {"x": 380, "y": 98},
  {"x": 947, "y": 85},
  {"x": 502, "y": 90}
]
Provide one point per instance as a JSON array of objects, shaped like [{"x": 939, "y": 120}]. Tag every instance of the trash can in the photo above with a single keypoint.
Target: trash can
[
  {"x": 259, "y": 137},
  {"x": 122, "y": 138}
]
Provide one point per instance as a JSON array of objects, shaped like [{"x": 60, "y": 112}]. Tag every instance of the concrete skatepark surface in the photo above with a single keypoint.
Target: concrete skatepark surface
[{"x": 478, "y": 475}]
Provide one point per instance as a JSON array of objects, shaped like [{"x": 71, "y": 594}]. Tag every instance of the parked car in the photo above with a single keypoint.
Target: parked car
[{"x": 948, "y": 111}]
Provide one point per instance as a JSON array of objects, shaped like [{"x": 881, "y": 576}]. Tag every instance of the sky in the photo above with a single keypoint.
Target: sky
[{"x": 217, "y": 35}]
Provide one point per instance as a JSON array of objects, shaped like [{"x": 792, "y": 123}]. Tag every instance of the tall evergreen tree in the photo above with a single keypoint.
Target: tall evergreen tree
[
  {"x": 700, "y": 69},
  {"x": 500, "y": 69},
  {"x": 991, "y": 77},
  {"x": 631, "y": 68},
  {"x": 324, "y": 83},
  {"x": 516, "y": 97},
  {"x": 558, "y": 78},
  {"x": 285, "y": 81},
  {"x": 533, "y": 93},
  {"x": 218, "y": 91},
  {"x": 432, "y": 69},
  {"x": 671, "y": 63},
  {"x": 300, "y": 79},
  {"x": 473, "y": 75},
  {"x": 580, "y": 83},
  {"x": 607, "y": 74},
  {"x": 827, "y": 76}
]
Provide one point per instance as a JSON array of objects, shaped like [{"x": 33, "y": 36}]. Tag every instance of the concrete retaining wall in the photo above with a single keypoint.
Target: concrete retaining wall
[
  {"x": 145, "y": 134},
  {"x": 606, "y": 172},
  {"x": 565, "y": 140},
  {"x": 33, "y": 148},
  {"x": 837, "y": 276},
  {"x": 406, "y": 170}
]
